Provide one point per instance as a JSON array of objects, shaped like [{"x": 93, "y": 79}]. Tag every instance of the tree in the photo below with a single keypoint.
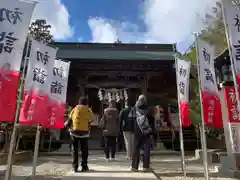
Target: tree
[
  {"x": 40, "y": 30},
  {"x": 215, "y": 34}
]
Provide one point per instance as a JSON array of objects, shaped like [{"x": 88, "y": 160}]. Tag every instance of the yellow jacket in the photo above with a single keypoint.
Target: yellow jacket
[{"x": 81, "y": 117}]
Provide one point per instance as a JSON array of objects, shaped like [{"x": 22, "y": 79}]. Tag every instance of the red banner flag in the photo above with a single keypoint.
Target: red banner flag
[
  {"x": 211, "y": 105},
  {"x": 57, "y": 94},
  {"x": 183, "y": 75},
  {"x": 15, "y": 19},
  {"x": 35, "y": 99},
  {"x": 231, "y": 103}
]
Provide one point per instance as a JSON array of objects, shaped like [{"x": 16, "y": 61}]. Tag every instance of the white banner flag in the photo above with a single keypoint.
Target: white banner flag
[
  {"x": 209, "y": 90},
  {"x": 232, "y": 21},
  {"x": 59, "y": 81},
  {"x": 41, "y": 63},
  {"x": 57, "y": 94},
  {"x": 15, "y": 18},
  {"x": 183, "y": 76},
  {"x": 206, "y": 63},
  {"x": 38, "y": 78}
]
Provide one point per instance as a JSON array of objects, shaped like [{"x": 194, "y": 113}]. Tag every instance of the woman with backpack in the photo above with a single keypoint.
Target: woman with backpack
[{"x": 143, "y": 134}]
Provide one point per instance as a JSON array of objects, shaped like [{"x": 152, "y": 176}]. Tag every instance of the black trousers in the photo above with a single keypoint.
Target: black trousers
[
  {"x": 121, "y": 143},
  {"x": 139, "y": 142},
  {"x": 84, "y": 151},
  {"x": 110, "y": 146}
]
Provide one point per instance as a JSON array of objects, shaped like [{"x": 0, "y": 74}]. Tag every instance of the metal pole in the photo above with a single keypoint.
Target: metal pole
[
  {"x": 8, "y": 174},
  {"x": 203, "y": 135},
  {"x": 36, "y": 148},
  {"x": 180, "y": 127},
  {"x": 50, "y": 144}
]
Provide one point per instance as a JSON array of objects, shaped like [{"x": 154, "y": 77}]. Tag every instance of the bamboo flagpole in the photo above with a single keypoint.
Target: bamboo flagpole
[
  {"x": 15, "y": 126},
  {"x": 180, "y": 119},
  {"x": 202, "y": 128}
]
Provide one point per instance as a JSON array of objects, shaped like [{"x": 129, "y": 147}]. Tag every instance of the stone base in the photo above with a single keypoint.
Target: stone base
[
  {"x": 217, "y": 155},
  {"x": 210, "y": 152},
  {"x": 17, "y": 157},
  {"x": 160, "y": 146},
  {"x": 229, "y": 166}
]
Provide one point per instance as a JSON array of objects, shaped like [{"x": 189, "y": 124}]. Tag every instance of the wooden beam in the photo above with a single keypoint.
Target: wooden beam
[
  {"x": 120, "y": 73},
  {"x": 112, "y": 85}
]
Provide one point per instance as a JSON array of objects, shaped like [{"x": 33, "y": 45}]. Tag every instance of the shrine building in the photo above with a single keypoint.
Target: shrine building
[
  {"x": 100, "y": 71},
  {"x": 138, "y": 68}
]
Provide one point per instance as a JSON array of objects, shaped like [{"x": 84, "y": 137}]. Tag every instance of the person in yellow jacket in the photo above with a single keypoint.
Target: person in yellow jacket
[{"x": 78, "y": 123}]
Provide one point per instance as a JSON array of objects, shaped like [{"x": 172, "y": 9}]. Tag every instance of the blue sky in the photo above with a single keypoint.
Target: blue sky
[
  {"x": 132, "y": 21},
  {"x": 126, "y": 11}
]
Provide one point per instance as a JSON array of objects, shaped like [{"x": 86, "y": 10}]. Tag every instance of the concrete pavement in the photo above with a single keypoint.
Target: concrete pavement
[
  {"x": 117, "y": 170},
  {"x": 165, "y": 168}
]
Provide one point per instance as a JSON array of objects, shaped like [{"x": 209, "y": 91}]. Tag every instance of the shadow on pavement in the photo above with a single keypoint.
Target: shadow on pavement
[{"x": 40, "y": 178}]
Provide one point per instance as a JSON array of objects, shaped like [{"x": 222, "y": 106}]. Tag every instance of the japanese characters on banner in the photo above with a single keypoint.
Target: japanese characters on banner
[
  {"x": 231, "y": 104},
  {"x": 15, "y": 18},
  {"x": 232, "y": 22},
  {"x": 183, "y": 75},
  {"x": 57, "y": 94},
  {"x": 211, "y": 105},
  {"x": 35, "y": 97},
  {"x": 235, "y": 138}
]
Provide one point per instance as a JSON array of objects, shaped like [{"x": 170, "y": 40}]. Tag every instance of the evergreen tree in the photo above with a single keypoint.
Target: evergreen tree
[{"x": 40, "y": 30}]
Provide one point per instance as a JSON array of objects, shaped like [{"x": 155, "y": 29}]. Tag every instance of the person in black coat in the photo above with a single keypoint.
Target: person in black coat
[
  {"x": 143, "y": 134},
  {"x": 127, "y": 117}
]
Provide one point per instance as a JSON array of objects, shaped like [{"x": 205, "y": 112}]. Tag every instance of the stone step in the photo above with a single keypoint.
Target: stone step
[
  {"x": 109, "y": 176},
  {"x": 94, "y": 152}
]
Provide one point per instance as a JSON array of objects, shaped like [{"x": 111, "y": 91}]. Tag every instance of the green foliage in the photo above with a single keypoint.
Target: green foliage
[
  {"x": 40, "y": 30},
  {"x": 215, "y": 33},
  {"x": 191, "y": 55},
  {"x": 194, "y": 105}
]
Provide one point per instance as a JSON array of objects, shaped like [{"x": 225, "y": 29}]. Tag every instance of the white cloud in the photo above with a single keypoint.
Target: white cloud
[
  {"x": 56, "y": 14},
  {"x": 166, "y": 21},
  {"x": 80, "y": 39}
]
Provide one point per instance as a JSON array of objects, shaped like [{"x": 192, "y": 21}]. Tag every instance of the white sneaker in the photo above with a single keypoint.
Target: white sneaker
[
  {"x": 107, "y": 159},
  {"x": 112, "y": 159}
]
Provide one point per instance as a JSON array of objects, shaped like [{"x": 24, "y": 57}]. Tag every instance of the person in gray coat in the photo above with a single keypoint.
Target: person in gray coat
[{"x": 110, "y": 125}]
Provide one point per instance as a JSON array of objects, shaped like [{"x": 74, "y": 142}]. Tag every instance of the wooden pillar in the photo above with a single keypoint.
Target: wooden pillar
[
  {"x": 80, "y": 92},
  {"x": 145, "y": 85}
]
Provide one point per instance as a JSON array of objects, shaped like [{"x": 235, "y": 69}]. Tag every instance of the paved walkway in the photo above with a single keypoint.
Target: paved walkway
[
  {"x": 59, "y": 167},
  {"x": 117, "y": 170}
]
